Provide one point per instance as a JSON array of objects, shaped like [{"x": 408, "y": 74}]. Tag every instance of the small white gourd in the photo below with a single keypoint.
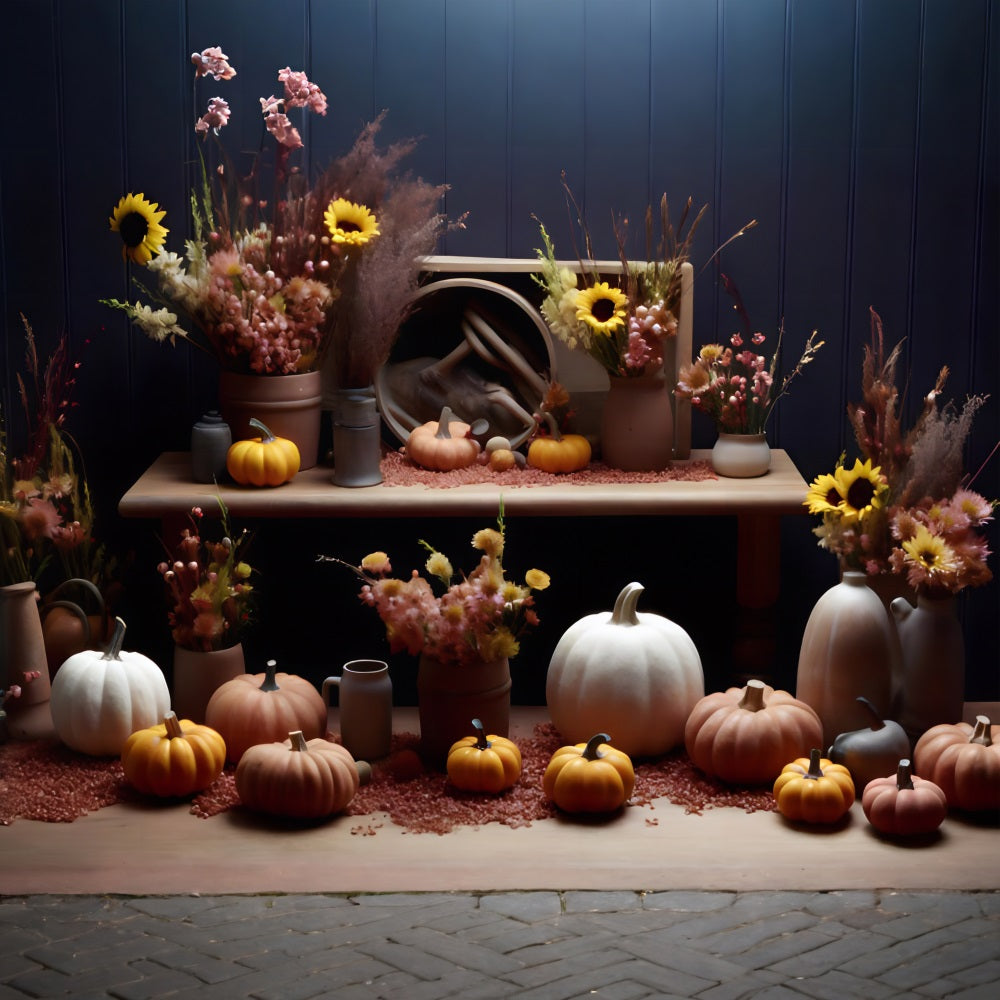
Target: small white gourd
[
  {"x": 99, "y": 699},
  {"x": 635, "y": 676}
]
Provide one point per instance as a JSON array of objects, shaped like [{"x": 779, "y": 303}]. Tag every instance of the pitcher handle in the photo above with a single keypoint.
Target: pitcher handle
[{"x": 327, "y": 684}]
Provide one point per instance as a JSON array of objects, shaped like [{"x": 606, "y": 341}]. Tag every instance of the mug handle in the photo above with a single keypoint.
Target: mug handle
[{"x": 327, "y": 684}]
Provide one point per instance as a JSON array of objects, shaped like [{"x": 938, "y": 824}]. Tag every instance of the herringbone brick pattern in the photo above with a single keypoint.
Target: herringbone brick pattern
[{"x": 545, "y": 945}]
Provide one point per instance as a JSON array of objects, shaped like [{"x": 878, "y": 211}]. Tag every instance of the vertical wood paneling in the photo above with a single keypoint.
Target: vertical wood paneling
[
  {"x": 476, "y": 106},
  {"x": 547, "y": 119}
]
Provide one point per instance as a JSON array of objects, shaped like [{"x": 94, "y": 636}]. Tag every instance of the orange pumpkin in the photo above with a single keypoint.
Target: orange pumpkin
[
  {"x": 904, "y": 804},
  {"x": 173, "y": 759},
  {"x": 443, "y": 444},
  {"x": 746, "y": 735},
  {"x": 558, "y": 452},
  {"x": 814, "y": 790},
  {"x": 591, "y": 777},
  {"x": 263, "y": 708},
  {"x": 267, "y": 460},
  {"x": 964, "y": 761},
  {"x": 483, "y": 763},
  {"x": 304, "y": 779}
]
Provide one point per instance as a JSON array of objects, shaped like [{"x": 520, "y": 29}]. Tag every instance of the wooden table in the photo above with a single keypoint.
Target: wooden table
[{"x": 165, "y": 491}]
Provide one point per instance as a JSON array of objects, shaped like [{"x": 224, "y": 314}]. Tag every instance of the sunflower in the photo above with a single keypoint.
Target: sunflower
[
  {"x": 928, "y": 555},
  {"x": 601, "y": 307},
  {"x": 138, "y": 223},
  {"x": 350, "y": 223},
  {"x": 824, "y": 495},
  {"x": 863, "y": 489}
]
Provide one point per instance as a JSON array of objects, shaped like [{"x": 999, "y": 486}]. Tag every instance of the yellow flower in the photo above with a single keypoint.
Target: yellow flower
[
  {"x": 242, "y": 571},
  {"x": 930, "y": 552},
  {"x": 138, "y": 223},
  {"x": 711, "y": 353},
  {"x": 490, "y": 541},
  {"x": 601, "y": 307},
  {"x": 498, "y": 644},
  {"x": 439, "y": 565},
  {"x": 862, "y": 488},
  {"x": 350, "y": 223},
  {"x": 537, "y": 579},
  {"x": 824, "y": 495},
  {"x": 376, "y": 562}
]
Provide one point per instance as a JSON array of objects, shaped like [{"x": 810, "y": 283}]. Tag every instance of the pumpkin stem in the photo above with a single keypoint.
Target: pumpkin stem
[
  {"x": 266, "y": 436},
  {"x": 982, "y": 734},
  {"x": 815, "y": 771},
  {"x": 904, "y": 777},
  {"x": 590, "y": 750},
  {"x": 114, "y": 647},
  {"x": 482, "y": 743},
  {"x": 172, "y": 725},
  {"x": 753, "y": 696},
  {"x": 444, "y": 423},
  {"x": 298, "y": 741},
  {"x": 549, "y": 419},
  {"x": 270, "y": 684},
  {"x": 877, "y": 721},
  {"x": 624, "y": 612}
]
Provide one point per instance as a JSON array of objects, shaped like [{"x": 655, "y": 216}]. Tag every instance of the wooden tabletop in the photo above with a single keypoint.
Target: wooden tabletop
[{"x": 166, "y": 489}]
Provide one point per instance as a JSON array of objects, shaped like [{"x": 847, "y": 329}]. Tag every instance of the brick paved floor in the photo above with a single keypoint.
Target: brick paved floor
[{"x": 550, "y": 945}]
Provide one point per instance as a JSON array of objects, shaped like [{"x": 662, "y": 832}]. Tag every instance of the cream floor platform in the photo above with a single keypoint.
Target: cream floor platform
[{"x": 137, "y": 850}]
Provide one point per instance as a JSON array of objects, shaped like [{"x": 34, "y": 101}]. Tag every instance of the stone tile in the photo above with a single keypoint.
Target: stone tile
[
  {"x": 526, "y": 906},
  {"x": 601, "y": 902},
  {"x": 688, "y": 902}
]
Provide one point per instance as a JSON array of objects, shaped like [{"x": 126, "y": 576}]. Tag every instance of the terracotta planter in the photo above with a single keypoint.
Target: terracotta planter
[
  {"x": 290, "y": 406},
  {"x": 197, "y": 676},
  {"x": 741, "y": 456},
  {"x": 637, "y": 424},
  {"x": 450, "y": 696},
  {"x": 22, "y": 651}
]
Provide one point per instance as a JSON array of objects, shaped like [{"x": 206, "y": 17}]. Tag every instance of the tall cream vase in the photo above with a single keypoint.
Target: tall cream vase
[{"x": 849, "y": 649}]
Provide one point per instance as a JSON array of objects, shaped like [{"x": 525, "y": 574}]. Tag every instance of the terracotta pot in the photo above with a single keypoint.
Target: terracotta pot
[
  {"x": 22, "y": 652},
  {"x": 451, "y": 695},
  {"x": 68, "y": 627},
  {"x": 637, "y": 424},
  {"x": 741, "y": 456},
  {"x": 197, "y": 676},
  {"x": 290, "y": 406}
]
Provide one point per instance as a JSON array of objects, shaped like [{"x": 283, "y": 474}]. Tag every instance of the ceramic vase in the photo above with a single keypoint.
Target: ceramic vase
[
  {"x": 198, "y": 674},
  {"x": 451, "y": 695},
  {"x": 357, "y": 438},
  {"x": 22, "y": 653},
  {"x": 637, "y": 424},
  {"x": 290, "y": 406},
  {"x": 365, "y": 699},
  {"x": 74, "y": 618},
  {"x": 741, "y": 456},
  {"x": 933, "y": 663},
  {"x": 210, "y": 441},
  {"x": 849, "y": 650}
]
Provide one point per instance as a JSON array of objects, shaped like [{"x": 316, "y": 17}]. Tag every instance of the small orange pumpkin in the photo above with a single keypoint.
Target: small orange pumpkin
[
  {"x": 443, "y": 444},
  {"x": 261, "y": 708},
  {"x": 746, "y": 735},
  {"x": 304, "y": 779},
  {"x": 904, "y": 804},
  {"x": 964, "y": 761},
  {"x": 173, "y": 759},
  {"x": 814, "y": 790},
  {"x": 483, "y": 763},
  {"x": 267, "y": 460},
  {"x": 591, "y": 777},
  {"x": 558, "y": 452}
]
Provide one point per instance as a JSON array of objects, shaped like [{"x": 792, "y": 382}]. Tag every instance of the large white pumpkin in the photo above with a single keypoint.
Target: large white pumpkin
[
  {"x": 100, "y": 699},
  {"x": 634, "y": 676}
]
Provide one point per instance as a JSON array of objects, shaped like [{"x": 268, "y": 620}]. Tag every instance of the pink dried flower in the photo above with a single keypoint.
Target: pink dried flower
[
  {"x": 212, "y": 62},
  {"x": 300, "y": 93},
  {"x": 215, "y": 118},
  {"x": 282, "y": 129}
]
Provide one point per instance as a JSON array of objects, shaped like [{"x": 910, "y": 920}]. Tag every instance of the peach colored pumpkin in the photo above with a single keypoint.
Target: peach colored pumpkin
[
  {"x": 903, "y": 804},
  {"x": 964, "y": 761},
  {"x": 304, "y": 779},
  {"x": 745, "y": 736},
  {"x": 443, "y": 444},
  {"x": 264, "y": 708}
]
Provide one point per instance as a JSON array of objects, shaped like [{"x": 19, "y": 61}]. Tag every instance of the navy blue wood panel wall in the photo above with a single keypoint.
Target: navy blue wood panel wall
[{"x": 862, "y": 136}]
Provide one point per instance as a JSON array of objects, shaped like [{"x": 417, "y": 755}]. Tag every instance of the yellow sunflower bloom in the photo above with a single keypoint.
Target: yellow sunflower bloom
[
  {"x": 929, "y": 552},
  {"x": 862, "y": 488},
  {"x": 350, "y": 223},
  {"x": 824, "y": 495},
  {"x": 137, "y": 221},
  {"x": 601, "y": 307}
]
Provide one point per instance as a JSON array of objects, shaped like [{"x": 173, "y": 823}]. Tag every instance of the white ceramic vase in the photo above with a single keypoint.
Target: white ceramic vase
[
  {"x": 849, "y": 650},
  {"x": 741, "y": 456}
]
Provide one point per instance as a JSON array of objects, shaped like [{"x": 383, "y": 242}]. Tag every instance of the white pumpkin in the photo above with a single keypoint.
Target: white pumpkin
[
  {"x": 100, "y": 699},
  {"x": 634, "y": 676}
]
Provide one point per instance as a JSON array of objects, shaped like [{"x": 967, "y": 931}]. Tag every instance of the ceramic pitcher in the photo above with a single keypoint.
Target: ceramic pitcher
[{"x": 365, "y": 707}]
